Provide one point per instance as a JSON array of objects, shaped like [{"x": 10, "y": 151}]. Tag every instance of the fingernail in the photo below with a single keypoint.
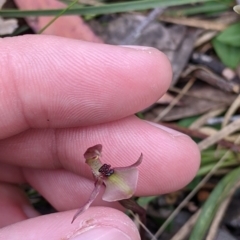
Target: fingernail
[
  {"x": 143, "y": 48},
  {"x": 103, "y": 233},
  {"x": 166, "y": 129}
]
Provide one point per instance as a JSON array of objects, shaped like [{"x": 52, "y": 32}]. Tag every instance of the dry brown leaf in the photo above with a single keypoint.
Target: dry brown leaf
[
  {"x": 65, "y": 26},
  {"x": 195, "y": 22},
  {"x": 175, "y": 101},
  {"x": 200, "y": 99},
  {"x": 176, "y": 41},
  {"x": 205, "y": 37}
]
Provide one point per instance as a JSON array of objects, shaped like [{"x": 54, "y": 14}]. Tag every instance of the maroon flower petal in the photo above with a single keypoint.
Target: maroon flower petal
[{"x": 93, "y": 152}]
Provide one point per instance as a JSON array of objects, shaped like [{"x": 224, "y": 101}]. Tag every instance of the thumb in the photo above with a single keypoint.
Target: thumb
[{"x": 95, "y": 224}]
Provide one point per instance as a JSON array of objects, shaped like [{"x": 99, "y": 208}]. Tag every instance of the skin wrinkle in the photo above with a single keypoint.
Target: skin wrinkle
[
  {"x": 55, "y": 150},
  {"x": 73, "y": 160},
  {"x": 6, "y": 71},
  {"x": 23, "y": 110},
  {"x": 11, "y": 174},
  {"x": 17, "y": 68},
  {"x": 12, "y": 198},
  {"x": 70, "y": 82}
]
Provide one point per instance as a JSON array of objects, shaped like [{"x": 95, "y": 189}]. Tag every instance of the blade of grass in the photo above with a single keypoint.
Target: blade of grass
[
  {"x": 186, "y": 228},
  {"x": 105, "y": 9},
  {"x": 57, "y": 16},
  {"x": 222, "y": 209},
  {"x": 144, "y": 201},
  {"x": 206, "y": 8},
  {"x": 211, "y": 206},
  {"x": 193, "y": 192},
  {"x": 212, "y": 155},
  {"x": 207, "y": 168}
]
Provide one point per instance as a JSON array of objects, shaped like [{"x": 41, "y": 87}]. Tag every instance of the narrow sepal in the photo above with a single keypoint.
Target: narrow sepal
[
  {"x": 93, "y": 152},
  {"x": 93, "y": 195}
]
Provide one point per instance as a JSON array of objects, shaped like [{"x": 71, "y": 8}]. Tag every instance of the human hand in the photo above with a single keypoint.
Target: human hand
[{"x": 61, "y": 96}]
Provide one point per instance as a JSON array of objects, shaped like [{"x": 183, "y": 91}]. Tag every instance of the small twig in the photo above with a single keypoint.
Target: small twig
[
  {"x": 205, "y": 37},
  {"x": 215, "y": 80},
  {"x": 205, "y": 117},
  {"x": 197, "y": 134},
  {"x": 229, "y": 129},
  {"x": 132, "y": 205},
  {"x": 194, "y": 22},
  {"x": 215, "y": 65},
  {"x": 220, "y": 213},
  {"x": 222, "y": 172},
  {"x": 187, "y": 227},
  {"x": 142, "y": 225},
  {"x": 131, "y": 39},
  {"x": 175, "y": 100},
  {"x": 233, "y": 108},
  {"x": 195, "y": 95},
  {"x": 217, "y": 120}
]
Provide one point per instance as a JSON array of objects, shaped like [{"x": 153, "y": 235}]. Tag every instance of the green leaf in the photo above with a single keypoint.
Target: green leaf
[
  {"x": 186, "y": 122},
  {"x": 213, "y": 155},
  {"x": 229, "y": 55},
  {"x": 212, "y": 204},
  {"x": 207, "y": 168},
  {"x": 104, "y": 9},
  {"x": 193, "y": 183},
  {"x": 230, "y": 36},
  {"x": 206, "y": 8},
  {"x": 144, "y": 201}
]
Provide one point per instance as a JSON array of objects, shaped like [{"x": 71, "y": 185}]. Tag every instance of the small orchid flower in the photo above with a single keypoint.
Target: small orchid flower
[{"x": 120, "y": 182}]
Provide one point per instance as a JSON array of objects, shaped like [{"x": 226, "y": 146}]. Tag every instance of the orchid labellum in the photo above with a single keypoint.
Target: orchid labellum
[{"x": 120, "y": 182}]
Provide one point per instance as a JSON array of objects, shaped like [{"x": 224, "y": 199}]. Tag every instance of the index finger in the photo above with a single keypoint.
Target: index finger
[{"x": 55, "y": 82}]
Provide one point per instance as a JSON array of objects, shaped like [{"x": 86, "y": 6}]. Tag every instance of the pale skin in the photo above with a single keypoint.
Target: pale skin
[{"x": 60, "y": 96}]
